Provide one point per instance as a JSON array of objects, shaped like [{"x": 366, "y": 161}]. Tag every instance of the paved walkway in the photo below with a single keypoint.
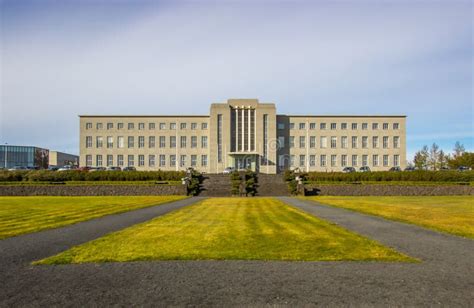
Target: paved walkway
[{"x": 445, "y": 277}]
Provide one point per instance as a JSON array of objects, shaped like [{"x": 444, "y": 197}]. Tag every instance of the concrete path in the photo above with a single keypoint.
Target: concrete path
[{"x": 445, "y": 277}]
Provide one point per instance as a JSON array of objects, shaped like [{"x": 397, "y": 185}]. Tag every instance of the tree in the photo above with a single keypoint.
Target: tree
[
  {"x": 421, "y": 158},
  {"x": 442, "y": 159},
  {"x": 433, "y": 157},
  {"x": 466, "y": 159},
  {"x": 458, "y": 150}
]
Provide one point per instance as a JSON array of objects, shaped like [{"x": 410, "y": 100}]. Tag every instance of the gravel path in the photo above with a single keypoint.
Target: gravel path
[{"x": 445, "y": 277}]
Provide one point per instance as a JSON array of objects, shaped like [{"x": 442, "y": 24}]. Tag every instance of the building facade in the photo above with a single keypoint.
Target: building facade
[
  {"x": 243, "y": 133},
  {"x": 23, "y": 156},
  {"x": 59, "y": 159}
]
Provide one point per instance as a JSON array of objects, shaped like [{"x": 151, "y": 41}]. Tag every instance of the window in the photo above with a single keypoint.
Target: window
[
  {"x": 375, "y": 126},
  {"x": 141, "y": 160},
  {"x": 354, "y": 126},
  {"x": 131, "y": 161},
  {"x": 173, "y": 126},
  {"x": 302, "y": 142},
  {"x": 182, "y": 161},
  {"x": 385, "y": 142},
  {"x": 182, "y": 142},
  {"x": 354, "y": 160},
  {"x": 89, "y": 160},
  {"x": 385, "y": 160},
  {"x": 151, "y": 126},
  {"x": 344, "y": 142},
  {"x": 343, "y": 160},
  {"x": 88, "y": 141},
  {"x": 182, "y": 126},
  {"x": 120, "y": 160},
  {"x": 385, "y": 126},
  {"x": 162, "y": 126},
  {"x": 364, "y": 126},
  {"x": 204, "y": 142},
  {"x": 203, "y": 126},
  {"x": 375, "y": 160},
  {"x": 365, "y": 159},
  {"x": 162, "y": 160},
  {"x": 396, "y": 160},
  {"x": 110, "y": 142},
  {"x": 365, "y": 141},
  {"x": 396, "y": 142},
  {"x": 204, "y": 160},
  {"x": 302, "y": 125},
  {"x": 162, "y": 141},
  {"x": 219, "y": 138},
  {"x": 110, "y": 160},
  {"x": 344, "y": 126},
  {"x": 312, "y": 160},
  {"x": 292, "y": 160},
  {"x": 333, "y": 126},
  {"x": 396, "y": 125},
  {"x": 141, "y": 126},
  {"x": 292, "y": 125},
  {"x": 193, "y": 160},
  {"x": 172, "y": 141},
  {"x": 98, "y": 160},
  {"x": 98, "y": 126},
  {"x": 99, "y": 142},
  {"x": 110, "y": 125},
  {"x": 194, "y": 126},
  {"x": 120, "y": 125},
  {"x": 173, "y": 160},
  {"x": 131, "y": 126},
  {"x": 151, "y": 141},
  {"x": 302, "y": 160},
  {"x": 324, "y": 142},
  {"x": 194, "y": 141},
  {"x": 292, "y": 141},
  {"x": 312, "y": 125},
  {"x": 281, "y": 142},
  {"x": 89, "y": 125},
  {"x": 131, "y": 141},
  {"x": 281, "y": 125},
  {"x": 354, "y": 142},
  {"x": 333, "y": 142},
  {"x": 141, "y": 141},
  {"x": 120, "y": 142},
  {"x": 151, "y": 160},
  {"x": 375, "y": 142},
  {"x": 312, "y": 142},
  {"x": 323, "y": 160},
  {"x": 333, "y": 160},
  {"x": 322, "y": 126}
]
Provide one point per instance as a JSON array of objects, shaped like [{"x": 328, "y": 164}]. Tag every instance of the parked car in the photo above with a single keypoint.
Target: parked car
[
  {"x": 129, "y": 169},
  {"x": 444, "y": 169},
  {"x": 16, "y": 168},
  {"x": 66, "y": 168},
  {"x": 409, "y": 168},
  {"x": 229, "y": 170},
  {"x": 53, "y": 168},
  {"x": 114, "y": 169},
  {"x": 364, "y": 169},
  {"x": 395, "y": 169},
  {"x": 348, "y": 169},
  {"x": 85, "y": 168},
  {"x": 464, "y": 168}
]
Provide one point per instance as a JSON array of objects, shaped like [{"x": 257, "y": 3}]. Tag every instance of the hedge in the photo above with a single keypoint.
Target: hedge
[
  {"x": 426, "y": 176},
  {"x": 74, "y": 175}
]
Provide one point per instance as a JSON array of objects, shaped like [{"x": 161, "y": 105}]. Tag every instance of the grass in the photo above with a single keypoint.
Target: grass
[
  {"x": 451, "y": 214},
  {"x": 231, "y": 229},
  {"x": 20, "y": 215}
]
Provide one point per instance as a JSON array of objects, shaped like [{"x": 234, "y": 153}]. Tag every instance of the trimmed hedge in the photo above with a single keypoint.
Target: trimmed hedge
[
  {"x": 74, "y": 175},
  {"x": 381, "y": 176}
]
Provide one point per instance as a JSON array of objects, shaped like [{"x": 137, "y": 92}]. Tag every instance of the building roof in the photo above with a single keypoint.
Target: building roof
[
  {"x": 142, "y": 116},
  {"x": 341, "y": 116}
]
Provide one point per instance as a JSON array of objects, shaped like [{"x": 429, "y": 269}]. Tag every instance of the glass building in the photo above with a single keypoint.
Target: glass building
[{"x": 25, "y": 156}]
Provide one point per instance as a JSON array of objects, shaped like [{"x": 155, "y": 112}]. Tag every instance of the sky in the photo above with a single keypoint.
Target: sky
[{"x": 59, "y": 59}]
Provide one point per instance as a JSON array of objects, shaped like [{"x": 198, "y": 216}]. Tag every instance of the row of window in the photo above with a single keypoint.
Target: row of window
[
  {"x": 151, "y": 126},
  {"x": 162, "y": 142},
  {"x": 163, "y": 161},
  {"x": 343, "y": 126},
  {"x": 333, "y": 143},
  {"x": 343, "y": 160}
]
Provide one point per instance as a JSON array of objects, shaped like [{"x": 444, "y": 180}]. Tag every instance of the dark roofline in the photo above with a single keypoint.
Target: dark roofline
[
  {"x": 342, "y": 116},
  {"x": 143, "y": 116}
]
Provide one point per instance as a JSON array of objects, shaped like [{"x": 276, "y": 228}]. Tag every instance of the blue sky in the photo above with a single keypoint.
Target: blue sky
[{"x": 64, "y": 58}]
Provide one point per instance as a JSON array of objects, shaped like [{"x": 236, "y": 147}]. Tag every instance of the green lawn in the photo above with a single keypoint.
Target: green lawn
[
  {"x": 20, "y": 215},
  {"x": 231, "y": 229},
  {"x": 451, "y": 214}
]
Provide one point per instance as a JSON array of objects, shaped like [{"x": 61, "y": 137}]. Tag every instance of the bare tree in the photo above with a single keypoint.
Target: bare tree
[
  {"x": 433, "y": 157},
  {"x": 458, "y": 150},
  {"x": 421, "y": 158}
]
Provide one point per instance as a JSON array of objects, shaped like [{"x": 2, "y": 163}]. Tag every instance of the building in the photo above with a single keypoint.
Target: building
[
  {"x": 59, "y": 159},
  {"x": 23, "y": 156},
  {"x": 243, "y": 133}
]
